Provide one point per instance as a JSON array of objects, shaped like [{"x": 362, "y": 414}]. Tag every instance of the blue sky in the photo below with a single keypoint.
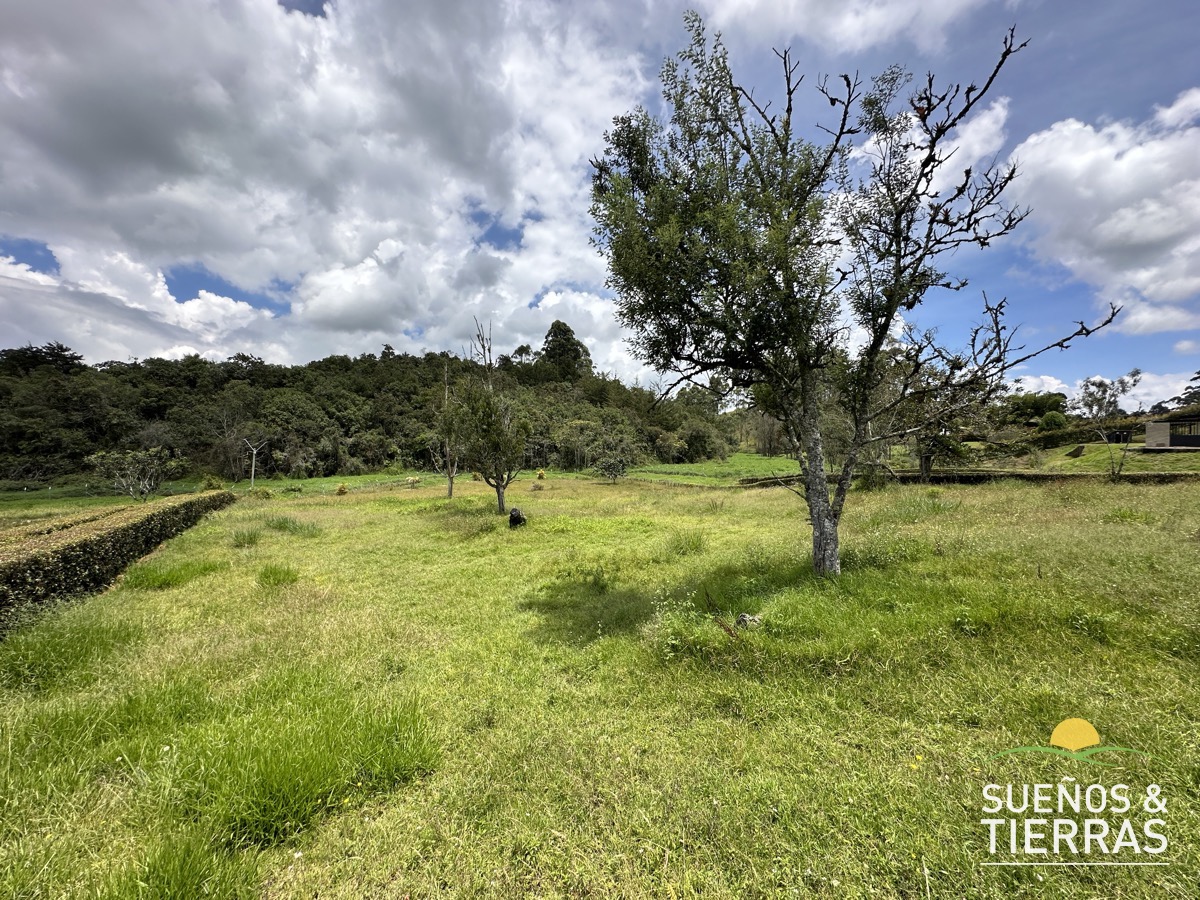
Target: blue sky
[{"x": 326, "y": 178}]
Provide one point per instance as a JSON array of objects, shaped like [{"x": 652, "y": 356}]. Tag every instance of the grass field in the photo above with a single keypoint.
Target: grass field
[{"x": 386, "y": 694}]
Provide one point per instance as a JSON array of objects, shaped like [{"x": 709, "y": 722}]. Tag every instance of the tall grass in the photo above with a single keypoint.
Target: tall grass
[{"x": 443, "y": 707}]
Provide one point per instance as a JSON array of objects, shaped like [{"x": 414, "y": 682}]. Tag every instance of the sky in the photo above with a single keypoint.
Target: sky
[{"x": 293, "y": 180}]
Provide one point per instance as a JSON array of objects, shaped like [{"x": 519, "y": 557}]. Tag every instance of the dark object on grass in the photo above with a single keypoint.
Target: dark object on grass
[
  {"x": 516, "y": 518},
  {"x": 1077, "y": 452},
  {"x": 745, "y": 620}
]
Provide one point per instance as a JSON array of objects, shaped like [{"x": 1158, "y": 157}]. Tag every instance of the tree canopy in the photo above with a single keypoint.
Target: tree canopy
[{"x": 737, "y": 246}]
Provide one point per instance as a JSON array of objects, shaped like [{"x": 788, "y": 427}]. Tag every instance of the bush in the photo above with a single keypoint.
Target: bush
[
  {"x": 211, "y": 482},
  {"x": 87, "y": 554},
  {"x": 1052, "y": 421},
  {"x": 611, "y": 467},
  {"x": 342, "y": 490},
  {"x": 353, "y": 466},
  {"x": 259, "y": 493}
]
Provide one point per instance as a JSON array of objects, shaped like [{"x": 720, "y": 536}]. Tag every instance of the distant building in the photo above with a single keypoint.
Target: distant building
[{"x": 1182, "y": 435}]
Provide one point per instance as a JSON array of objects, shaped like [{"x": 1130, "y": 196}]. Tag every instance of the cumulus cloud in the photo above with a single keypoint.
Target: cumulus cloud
[
  {"x": 1037, "y": 384},
  {"x": 848, "y": 26},
  {"x": 1150, "y": 390},
  {"x": 352, "y": 156},
  {"x": 1119, "y": 206},
  {"x": 1187, "y": 347}
]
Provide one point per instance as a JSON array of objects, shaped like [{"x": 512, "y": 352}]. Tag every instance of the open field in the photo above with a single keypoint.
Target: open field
[{"x": 387, "y": 694}]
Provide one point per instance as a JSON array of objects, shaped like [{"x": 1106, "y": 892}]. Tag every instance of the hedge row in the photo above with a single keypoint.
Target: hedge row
[{"x": 88, "y": 554}]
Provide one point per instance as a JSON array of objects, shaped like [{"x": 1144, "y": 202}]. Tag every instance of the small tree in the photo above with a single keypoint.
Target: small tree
[
  {"x": 614, "y": 451},
  {"x": 1099, "y": 401},
  {"x": 447, "y": 441},
  {"x": 736, "y": 247},
  {"x": 494, "y": 430},
  {"x": 138, "y": 473}
]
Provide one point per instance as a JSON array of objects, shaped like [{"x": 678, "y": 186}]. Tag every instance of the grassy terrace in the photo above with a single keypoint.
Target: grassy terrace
[{"x": 386, "y": 694}]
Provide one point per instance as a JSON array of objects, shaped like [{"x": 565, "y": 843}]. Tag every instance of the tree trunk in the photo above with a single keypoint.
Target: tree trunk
[
  {"x": 500, "y": 499},
  {"x": 926, "y": 465},
  {"x": 821, "y": 512},
  {"x": 826, "y": 551},
  {"x": 449, "y": 487}
]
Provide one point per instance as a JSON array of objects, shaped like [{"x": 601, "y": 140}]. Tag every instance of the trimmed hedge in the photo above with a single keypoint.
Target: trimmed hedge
[{"x": 83, "y": 554}]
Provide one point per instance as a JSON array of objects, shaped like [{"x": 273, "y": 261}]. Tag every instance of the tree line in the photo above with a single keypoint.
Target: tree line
[{"x": 339, "y": 415}]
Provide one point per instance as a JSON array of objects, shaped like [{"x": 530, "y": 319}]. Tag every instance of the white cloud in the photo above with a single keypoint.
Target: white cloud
[
  {"x": 1186, "y": 347},
  {"x": 1119, "y": 206},
  {"x": 850, "y": 26},
  {"x": 342, "y": 154},
  {"x": 1037, "y": 384}
]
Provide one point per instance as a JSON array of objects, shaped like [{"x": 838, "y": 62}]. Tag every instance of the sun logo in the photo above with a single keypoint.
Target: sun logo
[
  {"x": 1075, "y": 739},
  {"x": 1074, "y": 735}
]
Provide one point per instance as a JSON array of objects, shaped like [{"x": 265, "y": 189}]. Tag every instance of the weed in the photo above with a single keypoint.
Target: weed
[
  {"x": 246, "y": 537},
  {"x": 159, "y": 574},
  {"x": 1093, "y": 626},
  {"x": 684, "y": 542},
  {"x": 277, "y": 576},
  {"x": 1124, "y": 515},
  {"x": 289, "y": 525}
]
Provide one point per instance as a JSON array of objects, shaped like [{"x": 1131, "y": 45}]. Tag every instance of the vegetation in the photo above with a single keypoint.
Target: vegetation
[
  {"x": 1099, "y": 402},
  {"x": 404, "y": 719},
  {"x": 738, "y": 247},
  {"x": 334, "y": 417},
  {"x": 78, "y": 554}
]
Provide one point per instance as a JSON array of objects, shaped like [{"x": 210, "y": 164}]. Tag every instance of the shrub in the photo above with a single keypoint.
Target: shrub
[
  {"x": 342, "y": 490},
  {"x": 537, "y": 486},
  {"x": 541, "y": 474},
  {"x": 87, "y": 554},
  {"x": 259, "y": 493},
  {"x": 211, "y": 482},
  {"x": 1052, "y": 421},
  {"x": 352, "y": 465},
  {"x": 611, "y": 467}
]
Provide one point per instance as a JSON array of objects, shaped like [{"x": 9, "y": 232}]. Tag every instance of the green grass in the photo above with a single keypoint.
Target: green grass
[
  {"x": 718, "y": 472},
  {"x": 439, "y": 706},
  {"x": 1096, "y": 459}
]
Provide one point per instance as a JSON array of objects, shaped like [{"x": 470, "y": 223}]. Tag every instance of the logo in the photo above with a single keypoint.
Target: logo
[
  {"x": 1074, "y": 739},
  {"x": 1069, "y": 822}
]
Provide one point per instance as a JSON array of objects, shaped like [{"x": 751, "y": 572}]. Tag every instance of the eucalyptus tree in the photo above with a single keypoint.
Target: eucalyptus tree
[{"x": 737, "y": 247}]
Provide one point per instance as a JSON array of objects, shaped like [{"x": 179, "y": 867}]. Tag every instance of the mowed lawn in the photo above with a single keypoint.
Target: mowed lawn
[{"x": 388, "y": 694}]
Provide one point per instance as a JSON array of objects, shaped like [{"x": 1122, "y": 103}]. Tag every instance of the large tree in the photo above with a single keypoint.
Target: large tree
[{"x": 737, "y": 247}]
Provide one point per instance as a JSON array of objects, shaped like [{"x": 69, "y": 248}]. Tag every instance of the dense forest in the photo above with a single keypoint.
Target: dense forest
[{"x": 338, "y": 415}]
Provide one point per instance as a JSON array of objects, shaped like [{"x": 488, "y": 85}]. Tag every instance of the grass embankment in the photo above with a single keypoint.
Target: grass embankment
[
  {"x": 1096, "y": 459},
  {"x": 250, "y": 704},
  {"x": 717, "y": 472}
]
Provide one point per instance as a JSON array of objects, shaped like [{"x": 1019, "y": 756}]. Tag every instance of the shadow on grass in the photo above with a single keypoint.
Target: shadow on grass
[
  {"x": 580, "y": 613},
  {"x": 592, "y": 601}
]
